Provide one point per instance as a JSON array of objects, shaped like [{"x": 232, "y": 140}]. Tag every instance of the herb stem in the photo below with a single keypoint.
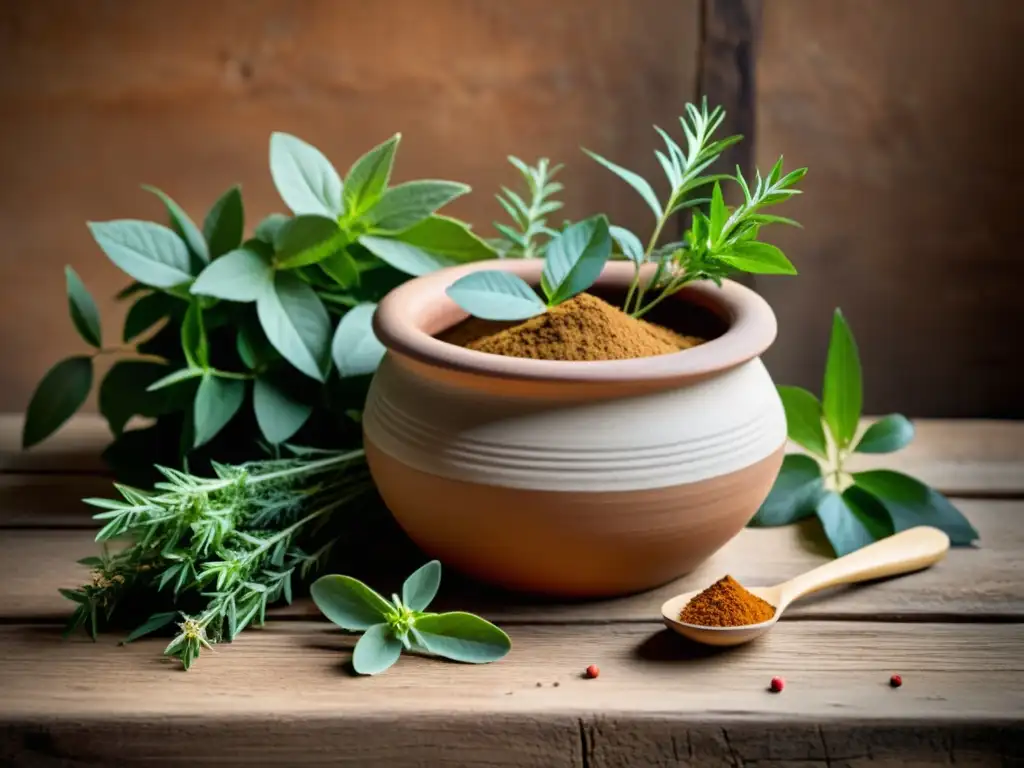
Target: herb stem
[
  {"x": 308, "y": 468},
  {"x": 662, "y": 221}
]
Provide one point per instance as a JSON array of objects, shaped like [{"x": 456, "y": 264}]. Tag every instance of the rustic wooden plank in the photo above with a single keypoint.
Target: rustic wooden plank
[
  {"x": 971, "y": 583},
  {"x": 49, "y": 501},
  {"x": 657, "y": 698}
]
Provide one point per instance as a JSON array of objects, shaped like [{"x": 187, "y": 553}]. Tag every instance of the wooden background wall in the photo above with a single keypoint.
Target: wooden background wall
[{"x": 904, "y": 110}]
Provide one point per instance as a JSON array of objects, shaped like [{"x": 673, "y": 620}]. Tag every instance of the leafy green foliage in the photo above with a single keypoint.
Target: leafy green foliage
[
  {"x": 494, "y": 295},
  {"x": 528, "y": 235},
  {"x": 368, "y": 177},
  {"x": 278, "y": 414},
  {"x": 355, "y": 349},
  {"x": 854, "y": 509},
  {"x": 225, "y": 223},
  {"x": 61, "y": 392},
  {"x": 304, "y": 177},
  {"x": 239, "y": 275},
  {"x": 410, "y": 203},
  {"x": 388, "y": 627},
  {"x": 296, "y": 323},
  {"x": 83, "y": 310},
  {"x": 148, "y": 252}
]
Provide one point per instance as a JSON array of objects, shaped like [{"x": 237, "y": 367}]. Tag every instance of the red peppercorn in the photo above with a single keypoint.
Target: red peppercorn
[
  {"x": 895, "y": 681},
  {"x": 593, "y": 671},
  {"x": 777, "y": 684}
]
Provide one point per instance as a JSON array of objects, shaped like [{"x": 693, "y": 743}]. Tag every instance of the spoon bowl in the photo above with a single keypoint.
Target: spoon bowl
[{"x": 905, "y": 552}]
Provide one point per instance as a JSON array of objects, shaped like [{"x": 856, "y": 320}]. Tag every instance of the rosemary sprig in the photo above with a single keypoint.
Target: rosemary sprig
[{"x": 526, "y": 240}]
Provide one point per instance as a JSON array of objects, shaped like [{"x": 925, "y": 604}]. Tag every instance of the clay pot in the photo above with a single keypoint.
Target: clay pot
[{"x": 572, "y": 479}]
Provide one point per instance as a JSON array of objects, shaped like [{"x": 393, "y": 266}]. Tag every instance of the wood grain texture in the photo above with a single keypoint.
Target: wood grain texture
[{"x": 902, "y": 111}]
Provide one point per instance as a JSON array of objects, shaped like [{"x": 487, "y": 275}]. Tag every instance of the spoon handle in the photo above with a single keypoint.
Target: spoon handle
[{"x": 910, "y": 550}]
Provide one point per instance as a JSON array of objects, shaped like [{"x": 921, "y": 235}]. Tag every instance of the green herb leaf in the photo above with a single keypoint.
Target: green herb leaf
[
  {"x": 182, "y": 225},
  {"x": 124, "y": 392},
  {"x": 217, "y": 402},
  {"x": 886, "y": 435},
  {"x": 368, "y": 177},
  {"x": 408, "y": 204},
  {"x": 240, "y": 275},
  {"x": 718, "y": 214},
  {"x": 296, "y": 324},
  {"x": 152, "y": 624},
  {"x": 794, "y": 495},
  {"x": 451, "y": 241},
  {"x": 634, "y": 180},
  {"x": 305, "y": 179},
  {"x": 630, "y": 244},
  {"x": 225, "y": 223},
  {"x": 910, "y": 502},
  {"x": 849, "y": 525},
  {"x": 83, "y": 310},
  {"x": 421, "y": 587},
  {"x": 376, "y": 650},
  {"x": 266, "y": 230},
  {"x": 349, "y": 603},
  {"x": 410, "y": 259},
  {"x": 147, "y": 312},
  {"x": 342, "y": 268},
  {"x": 279, "y": 416},
  {"x": 193, "y": 339},
  {"x": 185, "y": 374},
  {"x": 148, "y": 252},
  {"x": 495, "y": 295},
  {"x": 575, "y": 258},
  {"x": 355, "y": 349},
  {"x": 842, "y": 394},
  {"x": 757, "y": 258},
  {"x": 461, "y": 636},
  {"x": 803, "y": 419},
  {"x": 61, "y": 392},
  {"x": 305, "y": 240}
]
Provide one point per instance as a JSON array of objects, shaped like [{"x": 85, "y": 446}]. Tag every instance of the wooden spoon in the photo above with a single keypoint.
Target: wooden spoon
[{"x": 904, "y": 552}]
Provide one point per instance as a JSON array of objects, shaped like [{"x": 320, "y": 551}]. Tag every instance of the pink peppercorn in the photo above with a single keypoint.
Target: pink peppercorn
[
  {"x": 593, "y": 671},
  {"x": 777, "y": 684},
  {"x": 895, "y": 681}
]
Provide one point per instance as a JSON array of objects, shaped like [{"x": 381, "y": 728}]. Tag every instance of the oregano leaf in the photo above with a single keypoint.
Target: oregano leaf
[
  {"x": 421, "y": 587},
  {"x": 355, "y": 349},
  {"x": 152, "y": 254},
  {"x": 496, "y": 295},
  {"x": 368, "y": 177},
  {"x": 239, "y": 275},
  {"x": 183, "y": 225},
  {"x": 405, "y": 205},
  {"x": 349, "y": 603},
  {"x": 304, "y": 177},
  {"x": 225, "y": 223},
  {"x": 574, "y": 259},
  {"x": 376, "y": 650},
  {"x": 296, "y": 323}
]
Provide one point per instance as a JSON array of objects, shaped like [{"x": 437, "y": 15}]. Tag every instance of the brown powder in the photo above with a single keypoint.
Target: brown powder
[
  {"x": 582, "y": 328},
  {"x": 726, "y": 604}
]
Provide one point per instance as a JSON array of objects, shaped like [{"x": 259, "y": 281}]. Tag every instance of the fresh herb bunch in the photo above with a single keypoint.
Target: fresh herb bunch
[
  {"x": 529, "y": 237},
  {"x": 280, "y": 320},
  {"x": 855, "y": 508},
  {"x": 403, "y": 623},
  {"x": 214, "y": 553}
]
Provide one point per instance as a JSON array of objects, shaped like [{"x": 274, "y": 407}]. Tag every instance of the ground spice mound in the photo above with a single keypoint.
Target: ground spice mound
[
  {"x": 582, "y": 328},
  {"x": 726, "y": 604}
]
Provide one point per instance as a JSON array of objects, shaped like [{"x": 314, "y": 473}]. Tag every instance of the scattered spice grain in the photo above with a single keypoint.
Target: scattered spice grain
[
  {"x": 726, "y": 604},
  {"x": 777, "y": 684},
  {"x": 895, "y": 681},
  {"x": 593, "y": 671}
]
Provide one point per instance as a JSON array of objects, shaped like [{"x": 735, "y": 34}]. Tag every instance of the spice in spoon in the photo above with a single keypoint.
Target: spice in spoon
[{"x": 726, "y": 604}]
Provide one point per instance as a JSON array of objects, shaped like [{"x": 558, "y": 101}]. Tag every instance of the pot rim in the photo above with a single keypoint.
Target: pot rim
[{"x": 408, "y": 317}]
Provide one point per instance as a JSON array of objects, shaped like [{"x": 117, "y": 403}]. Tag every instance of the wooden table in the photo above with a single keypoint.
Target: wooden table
[{"x": 282, "y": 694}]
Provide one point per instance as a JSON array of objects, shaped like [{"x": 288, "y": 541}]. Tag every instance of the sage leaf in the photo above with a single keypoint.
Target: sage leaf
[
  {"x": 148, "y": 252},
  {"x": 278, "y": 415},
  {"x": 356, "y": 349},
  {"x": 574, "y": 259},
  {"x": 410, "y": 259},
  {"x": 630, "y": 244},
  {"x": 194, "y": 345},
  {"x": 408, "y": 204},
  {"x": 910, "y": 502},
  {"x": 124, "y": 393},
  {"x": 342, "y": 268},
  {"x": 239, "y": 275},
  {"x": 84, "y": 314},
  {"x": 183, "y": 225},
  {"x": 495, "y": 295},
  {"x": 266, "y": 230},
  {"x": 717, "y": 214},
  {"x": 803, "y": 419},
  {"x": 886, "y": 435},
  {"x": 217, "y": 402},
  {"x": 757, "y": 258},
  {"x": 296, "y": 323},
  {"x": 847, "y": 524},
  {"x": 450, "y": 240},
  {"x": 306, "y": 240},
  {"x": 185, "y": 374},
  {"x": 461, "y": 636},
  {"x": 421, "y": 587},
  {"x": 61, "y": 392},
  {"x": 349, "y": 603},
  {"x": 634, "y": 180},
  {"x": 225, "y": 223},
  {"x": 147, "y": 312},
  {"x": 795, "y": 494},
  {"x": 842, "y": 393},
  {"x": 305, "y": 179},
  {"x": 376, "y": 650},
  {"x": 152, "y": 624},
  {"x": 368, "y": 177}
]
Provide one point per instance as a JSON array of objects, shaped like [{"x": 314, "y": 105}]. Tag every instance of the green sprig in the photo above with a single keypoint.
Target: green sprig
[{"x": 528, "y": 236}]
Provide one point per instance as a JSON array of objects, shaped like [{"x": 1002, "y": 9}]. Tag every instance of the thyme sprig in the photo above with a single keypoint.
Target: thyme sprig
[{"x": 531, "y": 233}]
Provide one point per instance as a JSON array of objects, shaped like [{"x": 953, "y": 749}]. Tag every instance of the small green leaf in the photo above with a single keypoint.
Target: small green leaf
[
  {"x": 240, "y": 275},
  {"x": 451, "y": 241},
  {"x": 630, "y": 244},
  {"x": 305, "y": 240},
  {"x": 407, "y": 204},
  {"x": 757, "y": 258},
  {"x": 461, "y": 637},
  {"x": 717, "y": 214},
  {"x": 368, "y": 177},
  {"x": 848, "y": 525},
  {"x": 349, "y": 603},
  {"x": 279, "y": 416},
  {"x": 355, "y": 349},
  {"x": 794, "y": 495},
  {"x": 410, "y": 259},
  {"x": 152, "y": 624},
  {"x": 152, "y": 254},
  {"x": 124, "y": 392},
  {"x": 183, "y": 225},
  {"x": 147, "y": 312},
  {"x": 185, "y": 374},
  {"x": 61, "y": 392},
  {"x": 305, "y": 179},
  {"x": 193, "y": 338},
  {"x": 225, "y": 223},
  {"x": 376, "y": 650},
  {"x": 421, "y": 587},
  {"x": 634, "y": 180},
  {"x": 217, "y": 402},
  {"x": 910, "y": 502},
  {"x": 83, "y": 310},
  {"x": 266, "y": 230},
  {"x": 342, "y": 268},
  {"x": 495, "y": 295},
  {"x": 297, "y": 324},
  {"x": 842, "y": 393},
  {"x": 803, "y": 419},
  {"x": 575, "y": 258},
  {"x": 886, "y": 435}
]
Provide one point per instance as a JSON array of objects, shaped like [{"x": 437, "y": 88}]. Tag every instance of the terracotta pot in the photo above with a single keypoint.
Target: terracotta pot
[{"x": 572, "y": 479}]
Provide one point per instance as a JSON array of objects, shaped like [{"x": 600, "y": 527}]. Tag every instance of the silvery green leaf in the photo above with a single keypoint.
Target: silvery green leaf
[
  {"x": 886, "y": 435},
  {"x": 794, "y": 495},
  {"x": 152, "y": 254},
  {"x": 355, "y": 349},
  {"x": 217, "y": 401},
  {"x": 175, "y": 378},
  {"x": 910, "y": 503},
  {"x": 368, "y": 177},
  {"x": 225, "y": 223},
  {"x": 462, "y": 637},
  {"x": 349, "y": 603},
  {"x": 410, "y": 203},
  {"x": 278, "y": 415},
  {"x": 803, "y": 419},
  {"x": 849, "y": 525},
  {"x": 267, "y": 229},
  {"x": 296, "y": 324},
  {"x": 757, "y": 258},
  {"x": 407, "y": 258},
  {"x": 342, "y": 268},
  {"x": 842, "y": 393},
  {"x": 634, "y": 180},
  {"x": 421, "y": 587},
  {"x": 630, "y": 244},
  {"x": 376, "y": 650},
  {"x": 240, "y": 275},
  {"x": 183, "y": 225},
  {"x": 575, "y": 258},
  {"x": 61, "y": 392},
  {"x": 306, "y": 239},
  {"x": 84, "y": 314},
  {"x": 447, "y": 239},
  {"x": 305, "y": 179},
  {"x": 495, "y": 295}
]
